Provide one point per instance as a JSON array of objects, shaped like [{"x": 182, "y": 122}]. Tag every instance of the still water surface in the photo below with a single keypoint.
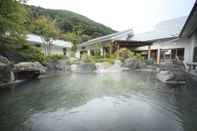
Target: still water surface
[{"x": 104, "y": 102}]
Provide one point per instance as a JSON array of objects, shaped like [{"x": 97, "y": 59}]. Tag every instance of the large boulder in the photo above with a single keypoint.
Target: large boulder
[
  {"x": 4, "y": 60},
  {"x": 83, "y": 67},
  {"x": 103, "y": 65},
  {"x": 172, "y": 74},
  {"x": 5, "y": 75},
  {"x": 28, "y": 70},
  {"x": 109, "y": 68},
  {"x": 165, "y": 76},
  {"x": 5, "y": 69},
  {"x": 132, "y": 63},
  {"x": 58, "y": 65}
]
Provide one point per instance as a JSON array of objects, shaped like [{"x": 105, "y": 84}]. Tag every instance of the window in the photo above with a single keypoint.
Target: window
[{"x": 195, "y": 55}]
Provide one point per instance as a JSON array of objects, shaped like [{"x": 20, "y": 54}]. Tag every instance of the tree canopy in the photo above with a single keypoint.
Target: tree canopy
[
  {"x": 12, "y": 18},
  {"x": 17, "y": 19},
  {"x": 47, "y": 29},
  {"x": 68, "y": 21}
]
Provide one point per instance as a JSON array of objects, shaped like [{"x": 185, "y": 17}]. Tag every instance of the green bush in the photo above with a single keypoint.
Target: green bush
[
  {"x": 125, "y": 53},
  {"x": 39, "y": 56},
  {"x": 72, "y": 53},
  {"x": 88, "y": 59},
  {"x": 25, "y": 46},
  {"x": 122, "y": 54},
  {"x": 149, "y": 62},
  {"x": 30, "y": 53},
  {"x": 54, "y": 57}
]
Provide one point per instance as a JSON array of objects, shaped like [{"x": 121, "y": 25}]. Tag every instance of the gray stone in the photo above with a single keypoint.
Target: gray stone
[
  {"x": 30, "y": 66},
  {"x": 4, "y": 60},
  {"x": 103, "y": 65},
  {"x": 165, "y": 76},
  {"x": 173, "y": 74},
  {"x": 5, "y": 69},
  {"x": 5, "y": 75},
  {"x": 28, "y": 70},
  {"x": 83, "y": 67},
  {"x": 133, "y": 63},
  {"x": 58, "y": 65}
]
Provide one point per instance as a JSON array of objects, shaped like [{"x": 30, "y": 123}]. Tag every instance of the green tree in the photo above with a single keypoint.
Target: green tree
[
  {"x": 74, "y": 38},
  {"x": 47, "y": 29},
  {"x": 12, "y": 19}
]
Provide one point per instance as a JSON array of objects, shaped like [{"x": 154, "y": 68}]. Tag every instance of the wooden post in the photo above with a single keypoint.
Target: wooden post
[
  {"x": 104, "y": 52},
  {"x": 118, "y": 49},
  {"x": 110, "y": 50},
  {"x": 158, "y": 55},
  {"x": 149, "y": 52}
]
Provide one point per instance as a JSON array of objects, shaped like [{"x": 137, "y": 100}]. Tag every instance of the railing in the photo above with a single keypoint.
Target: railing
[{"x": 192, "y": 66}]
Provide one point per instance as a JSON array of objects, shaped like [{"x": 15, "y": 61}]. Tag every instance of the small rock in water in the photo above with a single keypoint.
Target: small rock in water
[
  {"x": 133, "y": 63},
  {"x": 116, "y": 67},
  {"x": 103, "y": 65},
  {"x": 58, "y": 65},
  {"x": 83, "y": 68},
  {"x": 165, "y": 76},
  {"x": 173, "y": 77}
]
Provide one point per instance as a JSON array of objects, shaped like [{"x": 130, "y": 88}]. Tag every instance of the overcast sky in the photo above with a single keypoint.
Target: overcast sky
[{"x": 140, "y": 15}]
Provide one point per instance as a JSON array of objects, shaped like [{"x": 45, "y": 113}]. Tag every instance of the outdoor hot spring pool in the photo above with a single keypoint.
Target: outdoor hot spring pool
[{"x": 132, "y": 101}]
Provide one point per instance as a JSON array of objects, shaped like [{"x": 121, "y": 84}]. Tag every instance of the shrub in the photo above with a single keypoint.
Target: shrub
[
  {"x": 87, "y": 59},
  {"x": 72, "y": 53},
  {"x": 125, "y": 53},
  {"x": 39, "y": 56},
  {"x": 149, "y": 62},
  {"x": 30, "y": 53},
  {"x": 54, "y": 57}
]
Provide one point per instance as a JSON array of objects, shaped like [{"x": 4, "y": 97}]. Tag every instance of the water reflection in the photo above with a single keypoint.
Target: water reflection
[
  {"x": 104, "y": 102},
  {"x": 107, "y": 114}
]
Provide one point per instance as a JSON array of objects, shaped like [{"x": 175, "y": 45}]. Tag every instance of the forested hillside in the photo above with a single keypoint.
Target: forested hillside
[
  {"x": 68, "y": 21},
  {"x": 17, "y": 19}
]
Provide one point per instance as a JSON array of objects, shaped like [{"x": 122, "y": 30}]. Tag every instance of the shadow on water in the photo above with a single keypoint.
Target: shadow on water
[{"x": 105, "y": 102}]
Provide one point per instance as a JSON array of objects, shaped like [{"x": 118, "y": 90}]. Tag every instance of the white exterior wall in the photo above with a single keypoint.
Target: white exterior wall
[
  {"x": 77, "y": 54},
  {"x": 170, "y": 44},
  {"x": 194, "y": 40},
  {"x": 88, "y": 52},
  {"x": 186, "y": 43},
  {"x": 102, "y": 52},
  {"x": 189, "y": 49},
  {"x": 55, "y": 50}
]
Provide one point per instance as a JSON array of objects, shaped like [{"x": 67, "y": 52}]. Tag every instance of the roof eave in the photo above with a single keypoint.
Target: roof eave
[{"x": 188, "y": 20}]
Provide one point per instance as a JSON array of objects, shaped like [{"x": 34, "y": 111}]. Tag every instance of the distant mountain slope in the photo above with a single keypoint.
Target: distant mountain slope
[{"x": 67, "y": 20}]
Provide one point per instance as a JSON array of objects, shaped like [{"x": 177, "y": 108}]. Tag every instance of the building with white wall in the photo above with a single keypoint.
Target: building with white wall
[
  {"x": 58, "y": 47},
  {"x": 172, "y": 39},
  {"x": 189, "y": 32},
  {"x": 104, "y": 43},
  {"x": 166, "y": 46}
]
